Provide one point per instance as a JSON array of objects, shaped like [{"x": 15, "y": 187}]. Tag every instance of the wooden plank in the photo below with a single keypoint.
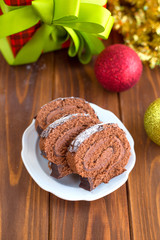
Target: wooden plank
[
  {"x": 144, "y": 181},
  {"x": 106, "y": 218},
  {"x": 24, "y": 207}
]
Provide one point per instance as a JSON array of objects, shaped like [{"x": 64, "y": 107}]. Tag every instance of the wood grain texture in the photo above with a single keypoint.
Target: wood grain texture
[
  {"x": 144, "y": 181},
  {"x": 26, "y": 211},
  {"x": 24, "y": 207},
  {"x": 106, "y": 218}
]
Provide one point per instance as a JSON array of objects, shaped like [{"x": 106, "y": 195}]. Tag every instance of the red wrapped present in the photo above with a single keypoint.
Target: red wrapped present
[
  {"x": 18, "y": 40},
  {"x": 18, "y": 2}
]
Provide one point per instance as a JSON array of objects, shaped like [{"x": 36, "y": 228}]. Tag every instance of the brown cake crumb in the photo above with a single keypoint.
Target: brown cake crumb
[
  {"x": 56, "y": 138},
  {"x": 61, "y": 107},
  {"x": 99, "y": 154}
]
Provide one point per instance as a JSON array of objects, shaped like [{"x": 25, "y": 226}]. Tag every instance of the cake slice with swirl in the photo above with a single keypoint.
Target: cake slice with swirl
[
  {"x": 61, "y": 107},
  {"x": 56, "y": 138},
  {"x": 98, "y": 154}
]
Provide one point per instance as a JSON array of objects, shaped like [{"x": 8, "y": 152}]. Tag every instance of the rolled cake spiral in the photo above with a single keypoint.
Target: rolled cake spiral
[
  {"x": 56, "y": 138},
  {"x": 98, "y": 154},
  {"x": 60, "y": 107}
]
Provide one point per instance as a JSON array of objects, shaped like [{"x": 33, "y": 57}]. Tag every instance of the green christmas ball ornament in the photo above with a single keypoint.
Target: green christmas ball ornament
[{"x": 152, "y": 121}]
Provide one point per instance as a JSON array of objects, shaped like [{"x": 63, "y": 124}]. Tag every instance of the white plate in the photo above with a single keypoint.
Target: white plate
[{"x": 67, "y": 188}]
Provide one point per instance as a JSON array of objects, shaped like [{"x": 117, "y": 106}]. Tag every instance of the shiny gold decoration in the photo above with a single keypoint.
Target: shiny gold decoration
[
  {"x": 139, "y": 23},
  {"x": 152, "y": 121}
]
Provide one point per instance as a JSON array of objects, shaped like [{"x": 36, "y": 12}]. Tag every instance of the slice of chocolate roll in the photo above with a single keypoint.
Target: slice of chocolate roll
[
  {"x": 99, "y": 154},
  {"x": 60, "y": 107},
  {"x": 56, "y": 138}
]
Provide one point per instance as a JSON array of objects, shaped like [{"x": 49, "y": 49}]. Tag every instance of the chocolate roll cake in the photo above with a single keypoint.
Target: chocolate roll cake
[
  {"x": 56, "y": 138},
  {"x": 98, "y": 154},
  {"x": 60, "y": 107}
]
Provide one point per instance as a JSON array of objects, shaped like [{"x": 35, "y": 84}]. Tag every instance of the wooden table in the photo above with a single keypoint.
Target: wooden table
[{"x": 29, "y": 213}]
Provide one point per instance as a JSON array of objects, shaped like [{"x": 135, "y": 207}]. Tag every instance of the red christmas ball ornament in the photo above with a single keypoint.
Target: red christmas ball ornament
[{"x": 118, "y": 68}]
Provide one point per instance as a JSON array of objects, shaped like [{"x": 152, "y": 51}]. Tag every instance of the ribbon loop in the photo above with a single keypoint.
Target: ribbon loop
[
  {"x": 81, "y": 20},
  {"x": 66, "y": 10},
  {"x": 44, "y": 9},
  {"x": 91, "y": 23}
]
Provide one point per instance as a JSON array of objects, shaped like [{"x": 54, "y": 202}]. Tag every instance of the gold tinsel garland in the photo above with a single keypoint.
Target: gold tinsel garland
[{"x": 139, "y": 23}]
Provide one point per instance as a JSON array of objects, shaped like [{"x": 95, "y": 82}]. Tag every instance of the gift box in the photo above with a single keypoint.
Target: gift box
[{"x": 29, "y": 28}]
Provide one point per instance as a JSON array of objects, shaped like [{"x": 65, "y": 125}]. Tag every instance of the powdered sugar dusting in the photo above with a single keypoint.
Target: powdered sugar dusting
[
  {"x": 59, "y": 122},
  {"x": 61, "y": 99},
  {"x": 84, "y": 135}
]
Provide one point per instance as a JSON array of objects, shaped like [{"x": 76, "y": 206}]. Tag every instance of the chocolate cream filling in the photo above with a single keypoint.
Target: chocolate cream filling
[
  {"x": 111, "y": 156},
  {"x": 58, "y": 144},
  {"x": 59, "y": 122},
  {"x": 99, "y": 153},
  {"x": 108, "y": 151},
  {"x": 63, "y": 142},
  {"x": 59, "y": 111},
  {"x": 83, "y": 136}
]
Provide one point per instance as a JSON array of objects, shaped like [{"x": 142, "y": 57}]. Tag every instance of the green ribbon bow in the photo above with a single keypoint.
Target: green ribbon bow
[{"x": 83, "y": 21}]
